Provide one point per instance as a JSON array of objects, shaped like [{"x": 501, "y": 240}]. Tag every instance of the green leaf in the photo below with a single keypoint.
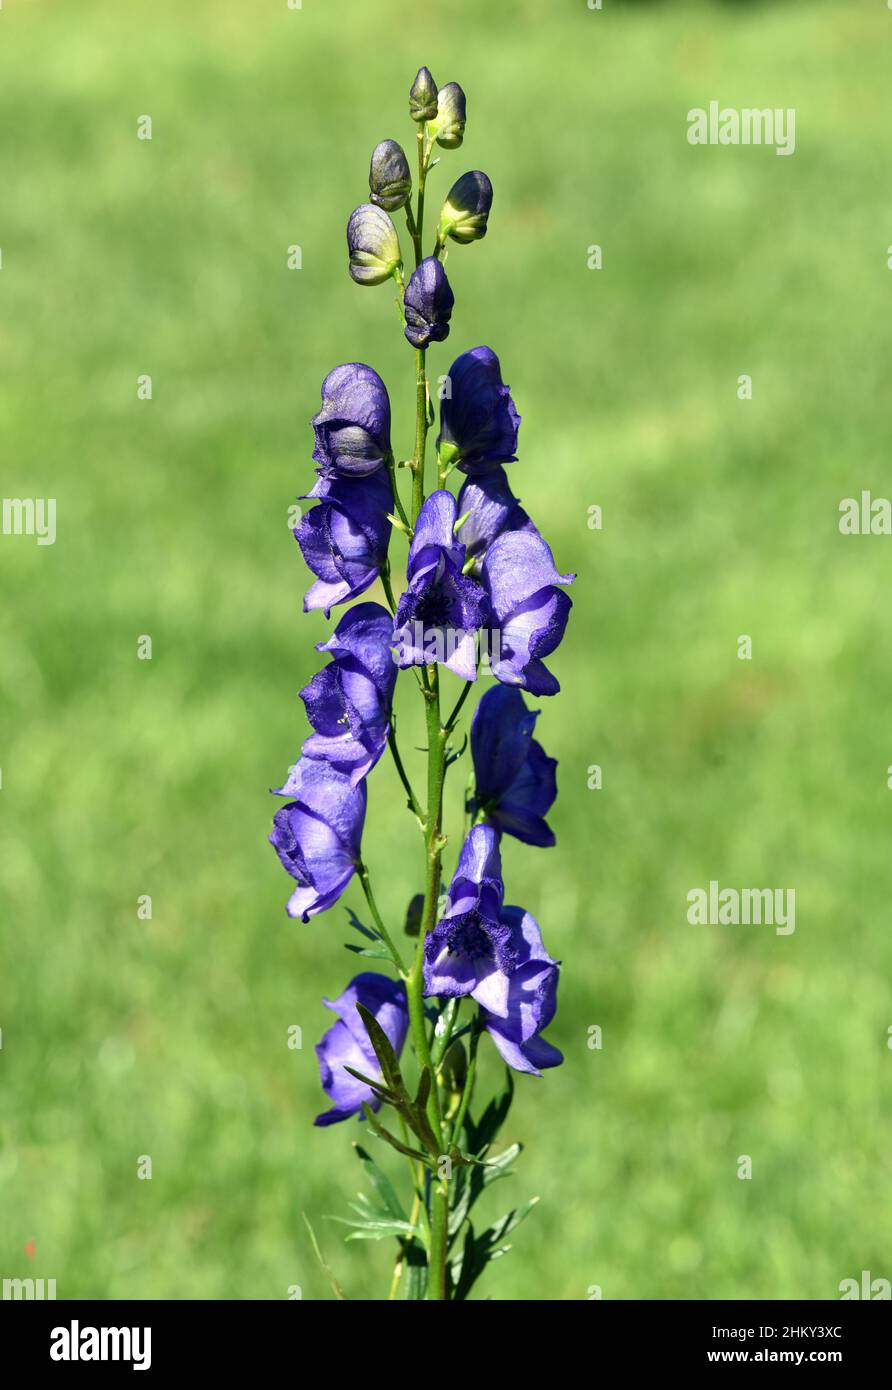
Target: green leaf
[
  {"x": 415, "y": 1276},
  {"x": 374, "y": 1230},
  {"x": 479, "y": 1250},
  {"x": 384, "y": 1188},
  {"x": 377, "y": 1086},
  {"x": 469, "y": 1183},
  {"x": 358, "y": 926},
  {"x": 481, "y": 1135},
  {"x": 375, "y": 952},
  {"x": 391, "y": 1139},
  {"x": 389, "y": 1062}
]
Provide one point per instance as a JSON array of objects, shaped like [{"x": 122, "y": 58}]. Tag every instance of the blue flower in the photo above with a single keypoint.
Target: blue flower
[
  {"x": 318, "y": 834},
  {"x": 344, "y": 539},
  {"x": 469, "y": 951},
  {"x": 494, "y": 954},
  {"x": 529, "y": 613},
  {"x": 488, "y": 507},
  {"x": 353, "y": 427},
  {"x": 440, "y": 611},
  {"x": 478, "y": 421},
  {"x": 427, "y": 304},
  {"x": 515, "y": 778},
  {"x": 531, "y": 1001},
  {"x": 346, "y": 1043},
  {"x": 348, "y": 702}
]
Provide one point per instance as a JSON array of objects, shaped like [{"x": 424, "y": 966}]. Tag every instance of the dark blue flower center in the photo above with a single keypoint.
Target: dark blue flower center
[
  {"x": 469, "y": 936},
  {"x": 434, "y": 606}
]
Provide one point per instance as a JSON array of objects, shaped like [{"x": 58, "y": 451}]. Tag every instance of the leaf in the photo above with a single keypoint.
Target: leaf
[
  {"x": 383, "y": 1050},
  {"x": 374, "y": 1230},
  {"x": 358, "y": 926},
  {"x": 415, "y": 1277},
  {"x": 384, "y": 1188},
  {"x": 479, "y": 1250},
  {"x": 481, "y": 1135},
  {"x": 338, "y": 1291},
  {"x": 391, "y": 1139},
  {"x": 377, "y": 1086},
  {"x": 468, "y": 1184},
  {"x": 375, "y": 953}
]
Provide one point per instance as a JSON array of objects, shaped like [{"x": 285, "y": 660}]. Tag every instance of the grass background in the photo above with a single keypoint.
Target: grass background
[{"x": 120, "y": 778}]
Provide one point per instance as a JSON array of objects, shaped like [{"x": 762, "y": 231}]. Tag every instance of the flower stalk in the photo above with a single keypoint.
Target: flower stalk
[{"x": 478, "y": 578}]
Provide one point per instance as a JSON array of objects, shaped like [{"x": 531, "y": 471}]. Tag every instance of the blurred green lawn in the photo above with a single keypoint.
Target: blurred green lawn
[{"x": 121, "y": 778}]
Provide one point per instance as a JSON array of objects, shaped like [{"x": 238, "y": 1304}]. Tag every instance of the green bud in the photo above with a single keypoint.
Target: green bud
[
  {"x": 466, "y": 209},
  {"x": 390, "y": 182},
  {"x": 455, "y": 1068},
  {"x": 448, "y": 126},
  {"x": 423, "y": 96},
  {"x": 373, "y": 245}
]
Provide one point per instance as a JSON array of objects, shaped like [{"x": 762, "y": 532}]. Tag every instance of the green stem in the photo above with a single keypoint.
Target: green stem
[
  {"x": 469, "y": 1083},
  {"x": 436, "y": 772},
  {"x": 397, "y": 500},
  {"x": 436, "y": 1285},
  {"x": 421, "y": 427},
  {"x": 363, "y": 872},
  {"x": 413, "y": 799},
  {"x": 453, "y": 718}
]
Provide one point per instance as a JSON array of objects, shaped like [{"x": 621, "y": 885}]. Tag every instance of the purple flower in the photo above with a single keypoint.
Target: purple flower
[
  {"x": 495, "y": 954},
  {"x": 441, "y": 610},
  {"x": 531, "y": 1003},
  {"x": 344, "y": 539},
  {"x": 428, "y": 304},
  {"x": 470, "y": 951},
  {"x": 373, "y": 245},
  {"x": 353, "y": 427},
  {"x": 348, "y": 702},
  {"x": 390, "y": 182},
  {"x": 529, "y": 613},
  {"x": 515, "y": 778},
  {"x": 465, "y": 213},
  {"x": 346, "y": 1043},
  {"x": 317, "y": 835},
  {"x": 478, "y": 421},
  {"x": 489, "y": 508}
]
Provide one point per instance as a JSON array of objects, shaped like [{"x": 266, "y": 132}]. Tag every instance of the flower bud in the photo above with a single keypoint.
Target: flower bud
[
  {"x": 423, "y": 96},
  {"x": 466, "y": 209},
  {"x": 390, "y": 182},
  {"x": 428, "y": 304},
  {"x": 455, "y": 1068},
  {"x": 449, "y": 123},
  {"x": 373, "y": 245}
]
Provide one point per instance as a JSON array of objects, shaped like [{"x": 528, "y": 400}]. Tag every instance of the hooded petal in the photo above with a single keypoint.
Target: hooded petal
[
  {"x": 489, "y": 508},
  {"x": 428, "y": 304},
  {"x": 478, "y": 421},
  {"x": 317, "y": 835},
  {"x": 352, "y": 428},
  {"x": 344, "y": 539}
]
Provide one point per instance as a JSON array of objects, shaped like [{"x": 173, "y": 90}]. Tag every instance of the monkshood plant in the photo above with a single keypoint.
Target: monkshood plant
[{"x": 481, "y": 596}]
